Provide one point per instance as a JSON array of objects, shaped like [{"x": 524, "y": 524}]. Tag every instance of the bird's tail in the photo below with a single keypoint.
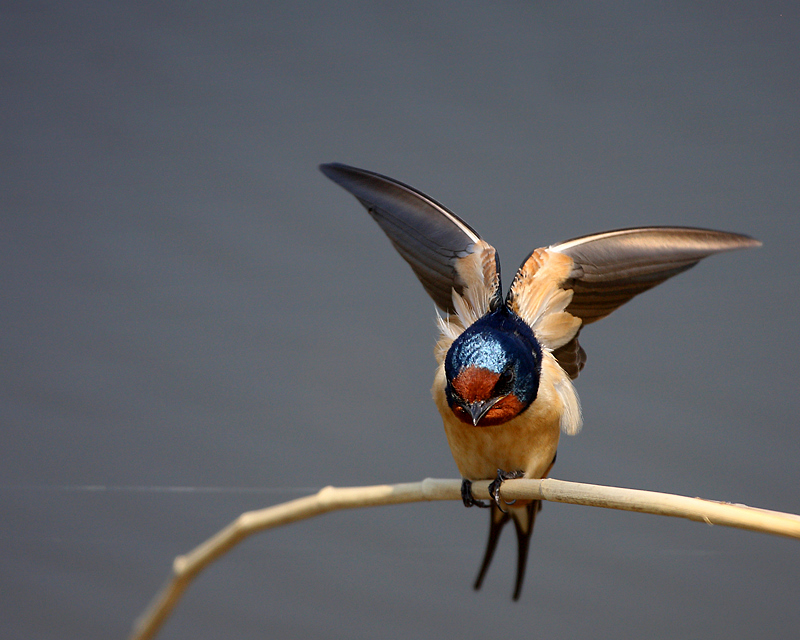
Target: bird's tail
[{"x": 524, "y": 518}]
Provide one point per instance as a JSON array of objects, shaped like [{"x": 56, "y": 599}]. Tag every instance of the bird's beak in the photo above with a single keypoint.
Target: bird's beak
[{"x": 479, "y": 408}]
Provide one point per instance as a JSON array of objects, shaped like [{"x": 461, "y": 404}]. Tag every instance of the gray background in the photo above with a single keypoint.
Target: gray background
[{"x": 195, "y": 322}]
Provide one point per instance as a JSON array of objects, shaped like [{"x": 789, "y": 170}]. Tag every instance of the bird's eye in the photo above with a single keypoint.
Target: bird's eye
[
  {"x": 453, "y": 396},
  {"x": 505, "y": 381}
]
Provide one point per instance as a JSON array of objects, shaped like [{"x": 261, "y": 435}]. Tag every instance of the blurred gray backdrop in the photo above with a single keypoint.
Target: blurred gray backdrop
[{"x": 195, "y": 322}]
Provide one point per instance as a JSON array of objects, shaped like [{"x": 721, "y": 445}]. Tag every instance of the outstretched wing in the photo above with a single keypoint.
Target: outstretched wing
[
  {"x": 580, "y": 281},
  {"x": 444, "y": 252},
  {"x": 611, "y": 268}
]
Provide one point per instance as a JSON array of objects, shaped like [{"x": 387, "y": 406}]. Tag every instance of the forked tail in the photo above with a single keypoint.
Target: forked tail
[{"x": 524, "y": 519}]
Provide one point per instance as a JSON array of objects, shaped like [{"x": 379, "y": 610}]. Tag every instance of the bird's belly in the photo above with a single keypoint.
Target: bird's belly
[{"x": 523, "y": 444}]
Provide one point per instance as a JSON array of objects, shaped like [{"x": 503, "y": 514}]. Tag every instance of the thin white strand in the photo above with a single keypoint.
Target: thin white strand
[{"x": 99, "y": 488}]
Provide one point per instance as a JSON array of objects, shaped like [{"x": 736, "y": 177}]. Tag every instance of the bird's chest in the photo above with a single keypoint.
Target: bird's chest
[{"x": 527, "y": 442}]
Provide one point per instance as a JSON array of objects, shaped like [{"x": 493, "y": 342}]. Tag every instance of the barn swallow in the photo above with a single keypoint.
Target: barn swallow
[{"x": 506, "y": 364}]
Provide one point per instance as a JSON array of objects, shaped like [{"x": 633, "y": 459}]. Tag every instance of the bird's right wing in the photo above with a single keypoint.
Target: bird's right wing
[{"x": 445, "y": 253}]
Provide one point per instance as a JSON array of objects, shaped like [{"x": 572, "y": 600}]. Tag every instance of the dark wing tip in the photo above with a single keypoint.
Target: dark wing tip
[
  {"x": 717, "y": 241},
  {"x": 342, "y": 174},
  {"x": 746, "y": 242},
  {"x": 336, "y": 170},
  {"x": 346, "y": 176}
]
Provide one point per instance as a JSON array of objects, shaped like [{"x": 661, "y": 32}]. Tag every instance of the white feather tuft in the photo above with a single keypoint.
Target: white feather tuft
[
  {"x": 571, "y": 416},
  {"x": 540, "y": 300},
  {"x": 449, "y": 329},
  {"x": 476, "y": 271}
]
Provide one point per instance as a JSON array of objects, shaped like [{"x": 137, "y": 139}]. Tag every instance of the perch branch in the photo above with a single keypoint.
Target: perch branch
[{"x": 187, "y": 567}]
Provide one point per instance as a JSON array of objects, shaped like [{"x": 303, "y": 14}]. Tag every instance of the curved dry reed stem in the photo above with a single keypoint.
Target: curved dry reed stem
[{"x": 187, "y": 567}]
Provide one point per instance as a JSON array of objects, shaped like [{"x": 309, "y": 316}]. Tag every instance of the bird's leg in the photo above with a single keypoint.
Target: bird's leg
[
  {"x": 467, "y": 497},
  {"x": 494, "y": 487}
]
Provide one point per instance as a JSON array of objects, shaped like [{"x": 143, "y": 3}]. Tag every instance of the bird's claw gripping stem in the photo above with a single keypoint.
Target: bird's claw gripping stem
[
  {"x": 494, "y": 487},
  {"x": 467, "y": 497}
]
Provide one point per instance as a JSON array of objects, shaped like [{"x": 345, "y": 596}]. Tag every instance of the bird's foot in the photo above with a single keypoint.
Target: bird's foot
[
  {"x": 468, "y": 498},
  {"x": 494, "y": 487}
]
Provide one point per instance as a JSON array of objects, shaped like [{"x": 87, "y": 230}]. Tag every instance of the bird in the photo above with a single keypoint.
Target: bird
[{"x": 506, "y": 364}]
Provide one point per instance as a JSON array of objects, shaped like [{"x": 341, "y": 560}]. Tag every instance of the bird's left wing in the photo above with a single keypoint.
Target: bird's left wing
[
  {"x": 445, "y": 253},
  {"x": 559, "y": 288},
  {"x": 611, "y": 268}
]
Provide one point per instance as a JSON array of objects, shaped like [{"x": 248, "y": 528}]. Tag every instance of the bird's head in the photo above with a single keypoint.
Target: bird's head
[{"x": 492, "y": 369}]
